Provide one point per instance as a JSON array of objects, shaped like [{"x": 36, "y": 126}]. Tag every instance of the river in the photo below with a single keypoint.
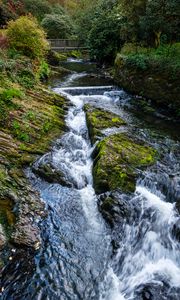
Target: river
[{"x": 76, "y": 260}]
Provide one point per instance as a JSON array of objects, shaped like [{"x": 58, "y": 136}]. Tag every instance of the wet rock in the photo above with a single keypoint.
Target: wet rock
[
  {"x": 178, "y": 205},
  {"x": 55, "y": 58},
  {"x": 117, "y": 211},
  {"x": 153, "y": 291},
  {"x": 114, "y": 208},
  {"x": 117, "y": 161},
  {"x": 176, "y": 230},
  {"x": 99, "y": 119},
  {"x": 2, "y": 238},
  {"x": 26, "y": 234},
  {"x": 42, "y": 119},
  {"x": 50, "y": 174}
]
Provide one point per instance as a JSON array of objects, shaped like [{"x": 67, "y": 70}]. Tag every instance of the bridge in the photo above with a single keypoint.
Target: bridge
[{"x": 61, "y": 45}]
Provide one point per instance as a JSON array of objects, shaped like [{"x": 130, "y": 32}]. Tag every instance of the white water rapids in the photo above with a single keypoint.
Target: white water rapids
[
  {"x": 148, "y": 254},
  {"x": 76, "y": 261}
]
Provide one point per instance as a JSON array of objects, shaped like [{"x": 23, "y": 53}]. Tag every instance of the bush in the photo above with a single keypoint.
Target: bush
[
  {"x": 57, "y": 26},
  {"x": 26, "y": 36}
]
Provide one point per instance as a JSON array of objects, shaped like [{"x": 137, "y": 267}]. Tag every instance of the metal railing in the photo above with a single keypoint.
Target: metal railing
[
  {"x": 61, "y": 45},
  {"x": 55, "y": 43}
]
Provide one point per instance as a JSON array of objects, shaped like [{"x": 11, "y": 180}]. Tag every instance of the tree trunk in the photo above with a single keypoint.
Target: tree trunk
[{"x": 157, "y": 38}]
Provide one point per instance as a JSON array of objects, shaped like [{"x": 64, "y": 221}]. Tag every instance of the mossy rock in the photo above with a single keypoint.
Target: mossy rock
[
  {"x": 117, "y": 161},
  {"x": 99, "y": 119},
  {"x": 34, "y": 121}
]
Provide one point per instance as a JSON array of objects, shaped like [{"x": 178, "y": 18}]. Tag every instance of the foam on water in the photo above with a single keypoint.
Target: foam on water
[{"x": 148, "y": 254}]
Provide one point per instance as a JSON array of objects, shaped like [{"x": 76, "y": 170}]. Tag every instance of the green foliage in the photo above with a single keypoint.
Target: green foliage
[
  {"x": 30, "y": 115},
  {"x": 8, "y": 94},
  {"x": 57, "y": 26},
  {"x": 27, "y": 37},
  {"x": 107, "y": 25},
  {"x": 47, "y": 126},
  {"x": 44, "y": 71},
  {"x": 6, "y": 103},
  {"x": 5, "y": 13},
  {"x": 160, "y": 19},
  {"x": 26, "y": 78},
  {"x": 137, "y": 61},
  {"x": 19, "y": 69},
  {"x": 37, "y": 8},
  {"x": 164, "y": 58},
  {"x": 19, "y": 132},
  {"x": 13, "y": 53},
  {"x": 57, "y": 9},
  {"x": 104, "y": 37}
]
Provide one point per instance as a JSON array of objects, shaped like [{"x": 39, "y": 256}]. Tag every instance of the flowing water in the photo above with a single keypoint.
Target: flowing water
[{"x": 76, "y": 260}]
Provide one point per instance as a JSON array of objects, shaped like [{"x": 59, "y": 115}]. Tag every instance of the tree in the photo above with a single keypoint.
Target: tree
[
  {"x": 104, "y": 37},
  {"x": 161, "y": 18},
  {"x": 38, "y": 8},
  {"x": 57, "y": 26}
]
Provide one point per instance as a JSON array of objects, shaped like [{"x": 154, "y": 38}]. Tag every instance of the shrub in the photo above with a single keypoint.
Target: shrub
[
  {"x": 26, "y": 36},
  {"x": 57, "y": 26}
]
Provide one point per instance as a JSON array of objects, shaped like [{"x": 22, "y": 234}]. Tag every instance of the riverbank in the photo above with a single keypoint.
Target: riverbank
[
  {"x": 31, "y": 119},
  {"x": 151, "y": 73}
]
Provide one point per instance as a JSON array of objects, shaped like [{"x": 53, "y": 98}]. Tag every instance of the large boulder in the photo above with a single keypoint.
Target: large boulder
[{"x": 117, "y": 160}]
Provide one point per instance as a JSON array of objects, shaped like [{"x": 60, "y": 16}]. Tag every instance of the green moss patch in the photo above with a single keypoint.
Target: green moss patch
[
  {"x": 99, "y": 119},
  {"x": 117, "y": 160},
  {"x": 33, "y": 120}
]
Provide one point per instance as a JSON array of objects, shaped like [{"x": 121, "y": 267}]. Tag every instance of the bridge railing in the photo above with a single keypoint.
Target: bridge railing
[{"x": 60, "y": 43}]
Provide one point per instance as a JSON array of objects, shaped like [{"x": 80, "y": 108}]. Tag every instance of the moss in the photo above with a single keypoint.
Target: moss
[
  {"x": 33, "y": 121},
  {"x": 99, "y": 119},
  {"x": 117, "y": 160}
]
